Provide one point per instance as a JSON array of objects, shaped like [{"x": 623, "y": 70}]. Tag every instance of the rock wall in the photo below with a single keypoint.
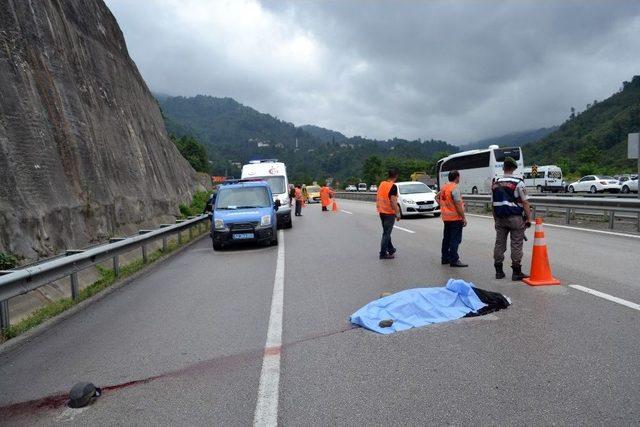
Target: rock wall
[{"x": 83, "y": 149}]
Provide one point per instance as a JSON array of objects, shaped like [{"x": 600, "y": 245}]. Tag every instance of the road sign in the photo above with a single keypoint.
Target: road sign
[
  {"x": 534, "y": 170},
  {"x": 633, "y": 149}
]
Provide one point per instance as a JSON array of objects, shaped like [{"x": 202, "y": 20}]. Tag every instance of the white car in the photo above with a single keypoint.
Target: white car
[
  {"x": 373, "y": 188},
  {"x": 362, "y": 187},
  {"x": 416, "y": 198},
  {"x": 630, "y": 186},
  {"x": 351, "y": 188},
  {"x": 595, "y": 184}
]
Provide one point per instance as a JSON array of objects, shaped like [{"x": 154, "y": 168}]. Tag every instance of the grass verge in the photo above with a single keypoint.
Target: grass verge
[{"x": 107, "y": 278}]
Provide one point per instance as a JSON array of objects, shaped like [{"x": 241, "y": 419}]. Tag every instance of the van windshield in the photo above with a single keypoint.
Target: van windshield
[
  {"x": 275, "y": 182},
  {"x": 243, "y": 198}
]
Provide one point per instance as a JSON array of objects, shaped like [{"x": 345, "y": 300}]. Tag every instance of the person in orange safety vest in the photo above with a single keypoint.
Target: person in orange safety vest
[
  {"x": 452, "y": 214},
  {"x": 325, "y": 197},
  {"x": 387, "y": 206},
  {"x": 299, "y": 200}
]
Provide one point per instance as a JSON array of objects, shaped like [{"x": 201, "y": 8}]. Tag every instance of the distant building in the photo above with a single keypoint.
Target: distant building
[{"x": 262, "y": 144}]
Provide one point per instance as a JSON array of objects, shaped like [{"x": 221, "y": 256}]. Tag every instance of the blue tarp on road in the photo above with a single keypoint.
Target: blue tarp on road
[{"x": 418, "y": 307}]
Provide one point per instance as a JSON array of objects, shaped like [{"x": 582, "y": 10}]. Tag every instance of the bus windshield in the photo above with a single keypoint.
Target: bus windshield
[
  {"x": 275, "y": 182},
  {"x": 503, "y": 153}
]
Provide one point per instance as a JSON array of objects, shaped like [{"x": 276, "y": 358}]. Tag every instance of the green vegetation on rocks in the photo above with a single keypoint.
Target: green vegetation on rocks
[{"x": 7, "y": 261}]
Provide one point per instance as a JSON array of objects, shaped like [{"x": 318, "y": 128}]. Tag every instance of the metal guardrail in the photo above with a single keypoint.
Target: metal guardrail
[
  {"x": 609, "y": 206},
  {"x": 21, "y": 281}
]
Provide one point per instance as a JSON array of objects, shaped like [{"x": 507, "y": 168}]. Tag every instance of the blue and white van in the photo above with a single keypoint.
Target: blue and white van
[{"x": 244, "y": 212}]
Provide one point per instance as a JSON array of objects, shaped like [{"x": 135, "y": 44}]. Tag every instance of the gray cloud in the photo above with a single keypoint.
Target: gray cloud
[{"x": 454, "y": 70}]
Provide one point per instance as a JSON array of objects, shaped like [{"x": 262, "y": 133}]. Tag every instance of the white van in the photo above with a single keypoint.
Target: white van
[
  {"x": 548, "y": 178},
  {"x": 275, "y": 174}
]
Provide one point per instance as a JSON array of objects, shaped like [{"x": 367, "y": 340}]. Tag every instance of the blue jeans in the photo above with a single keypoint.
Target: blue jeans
[
  {"x": 451, "y": 239},
  {"x": 386, "y": 247}
]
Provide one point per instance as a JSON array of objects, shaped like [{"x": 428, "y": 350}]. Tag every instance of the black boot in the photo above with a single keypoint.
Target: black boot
[
  {"x": 517, "y": 273},
  {"x": 499, "y": 271}
]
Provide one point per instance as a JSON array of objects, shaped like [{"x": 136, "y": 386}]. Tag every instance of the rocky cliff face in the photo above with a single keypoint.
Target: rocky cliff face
[{"x": 83, "y": 149}]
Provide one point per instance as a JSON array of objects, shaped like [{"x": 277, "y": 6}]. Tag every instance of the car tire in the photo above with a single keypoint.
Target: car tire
[
  {"x": 625, "y": 190},
  {"x": 593, "y": 189},
  {"x": 474, "y": 190},
  {"x": 289, "y": 224},
  {"x": 216, "y": 246},
  {"x": 436, "y": 215},
  {"x": 274, "y": 241},
  {"x": 571, "y": 189}
]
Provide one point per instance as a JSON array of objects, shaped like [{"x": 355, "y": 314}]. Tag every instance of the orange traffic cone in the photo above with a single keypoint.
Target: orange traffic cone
[
  {"x": 335, "y": 206},
  {"x": 540, "y": 269}
]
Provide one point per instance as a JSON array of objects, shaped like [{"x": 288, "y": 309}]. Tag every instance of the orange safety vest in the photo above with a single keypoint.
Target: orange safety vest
[
  {"x": 325, "y": 196},
  {"x": 383, "y": 202},
  {"x": 447, "y": 205}
]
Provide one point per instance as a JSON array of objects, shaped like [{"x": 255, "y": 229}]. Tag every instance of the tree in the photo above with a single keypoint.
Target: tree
[
  {"x": 373, "y": 170},
  {"x": 573, "y": 114},
  {"x": 193, "y": 151}
]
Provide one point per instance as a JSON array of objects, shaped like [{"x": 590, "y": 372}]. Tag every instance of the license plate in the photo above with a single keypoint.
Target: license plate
[
  {"x": 241, "y": 236},
  {"x": 424, "y": 208}
]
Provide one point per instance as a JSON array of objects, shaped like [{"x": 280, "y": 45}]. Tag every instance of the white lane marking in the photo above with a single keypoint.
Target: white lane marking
[
  {"x": 404, "y": 229},
  {"x": 607, "y": 297},
  {"x": 347, "y": 212},
  {"x": 266, "y": 413},
  {"x": 569, "y": 227}
]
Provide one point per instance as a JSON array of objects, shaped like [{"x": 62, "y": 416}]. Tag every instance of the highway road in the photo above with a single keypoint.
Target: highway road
[{"x": 185, "y": 343}]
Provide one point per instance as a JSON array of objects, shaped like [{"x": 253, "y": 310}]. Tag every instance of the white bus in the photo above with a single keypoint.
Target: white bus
[
  {"x": 478, "y": 168},
  {"x": 548, "y": 178}
]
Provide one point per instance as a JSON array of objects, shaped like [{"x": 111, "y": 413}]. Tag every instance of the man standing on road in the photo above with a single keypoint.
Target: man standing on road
[
  {"x": 325, "y": 197},
  {"x": 509, "y": 198},
  {"x": 452, "y": 214},
  {"x": 387, "y": 206},
  {"x": 299, "y": 200}
]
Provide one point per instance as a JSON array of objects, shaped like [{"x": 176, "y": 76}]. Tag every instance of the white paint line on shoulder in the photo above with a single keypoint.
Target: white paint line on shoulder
[
  {"x": 266, "y": 413},
  {"x": 569, "y": 227},
  {"x": 404, "y": 229},
  {"x": 347, "y": 212},
  {"x": 608, "y": 297}
]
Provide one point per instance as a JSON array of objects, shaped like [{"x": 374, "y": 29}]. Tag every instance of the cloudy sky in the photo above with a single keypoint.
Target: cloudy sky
[{"x": 454, "y": 70}]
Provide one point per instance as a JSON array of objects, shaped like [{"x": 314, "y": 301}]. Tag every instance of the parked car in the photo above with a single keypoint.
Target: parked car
[
  {"x": 416, "y": 198},
  {"x": 595, "y": 184},
  {"x": 351, "y": 187},
  {"x": 314, "y": 193},
  {"x": 362, "y": 187},
  {"x": 373, "y": 188},
  {"x": 630, "y": 186}
]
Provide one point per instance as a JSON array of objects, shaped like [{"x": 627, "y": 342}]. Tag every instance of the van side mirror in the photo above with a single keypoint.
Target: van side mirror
[{"x": 277, "y": 204}]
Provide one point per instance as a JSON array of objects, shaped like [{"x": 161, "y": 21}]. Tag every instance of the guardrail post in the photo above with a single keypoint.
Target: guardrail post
[
  {"x": 4, "y": 315},
  {"x": 164, "y": 239},
  {"x": 145, "y": 259},
  {"x": 74, "y": 286},
  {"x": 567, "y": 216},
  {"x": 116, "y": 259},
  {"x": 533, "y": 212},
  {"x": 178, "y": 221},
  {"x": 611, "y": 219}
]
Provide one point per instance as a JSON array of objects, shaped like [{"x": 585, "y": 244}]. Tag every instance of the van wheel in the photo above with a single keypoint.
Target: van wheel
[
  {"x": 436, "y": 215},
  {"x": 474, "y": 190},
  {"x": 217, "y": 246},
  {"x": 274, "y": 241},
  {"x": 289, "y": 224}
]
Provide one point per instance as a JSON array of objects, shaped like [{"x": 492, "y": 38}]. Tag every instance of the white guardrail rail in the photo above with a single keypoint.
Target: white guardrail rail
[
  {"x": 20, "y": 281},
  {"x": 606, "y": 206}
]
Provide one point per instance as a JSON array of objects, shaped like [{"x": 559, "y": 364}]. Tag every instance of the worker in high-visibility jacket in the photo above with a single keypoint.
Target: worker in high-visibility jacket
[
  {"x": 389, "y": 211},
  {"x": 325, "y": 197},
  {"x": 452, "y": 214}
]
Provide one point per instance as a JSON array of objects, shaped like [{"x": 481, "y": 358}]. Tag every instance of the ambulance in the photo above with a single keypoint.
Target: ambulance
[{"x": 275, "y": 174}]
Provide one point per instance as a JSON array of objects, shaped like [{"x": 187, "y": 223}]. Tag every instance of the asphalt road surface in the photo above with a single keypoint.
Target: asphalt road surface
[{"x": 185, "y": 343}]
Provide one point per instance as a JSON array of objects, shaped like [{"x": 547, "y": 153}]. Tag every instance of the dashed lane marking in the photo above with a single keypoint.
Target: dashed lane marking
[
  {"x": 266, "y": 413},
  {"x": 347, "y": 212},
  {"x": 404, "y": 229},
  {"x": 608, "y": 297}
]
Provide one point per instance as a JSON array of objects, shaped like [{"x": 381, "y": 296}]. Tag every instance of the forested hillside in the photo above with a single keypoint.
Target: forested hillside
[
  {"x": 594, "y": 141},
  {"x": 234, "y": 134},
  {"x": 514, "y": 139}
]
